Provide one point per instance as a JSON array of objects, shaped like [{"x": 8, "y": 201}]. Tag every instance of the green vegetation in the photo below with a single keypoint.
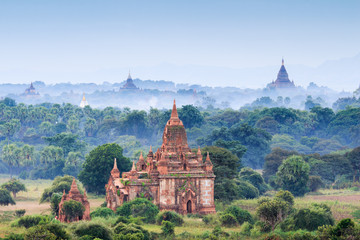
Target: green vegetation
[{"x": 98, "y": 164}]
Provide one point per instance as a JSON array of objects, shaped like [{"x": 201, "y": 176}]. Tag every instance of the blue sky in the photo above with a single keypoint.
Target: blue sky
[{"x": 42, "y": 40}]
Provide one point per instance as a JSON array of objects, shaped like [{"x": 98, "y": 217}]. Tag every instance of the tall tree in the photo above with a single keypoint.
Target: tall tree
[
  {"x": 98, "y": 164},
  {"x": 293, "y": 175}
]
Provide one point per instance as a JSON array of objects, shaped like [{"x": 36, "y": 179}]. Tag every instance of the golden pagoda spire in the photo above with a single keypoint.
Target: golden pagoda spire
[{"x": 84, "y": 99}]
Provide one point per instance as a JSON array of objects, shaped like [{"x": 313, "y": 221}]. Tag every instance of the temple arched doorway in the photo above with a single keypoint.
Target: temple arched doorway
[{"x": 188, "y": 207}]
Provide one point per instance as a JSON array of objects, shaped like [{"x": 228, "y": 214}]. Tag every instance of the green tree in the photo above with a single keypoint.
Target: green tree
[
  {"x": 354, "y": 159},
  {"x": 5, "y": 198},
  {"x": 273, "y": 161},
  {"x": 14, "y": 186},
  {"x": 11, "y": 155},
  {"x": 139, "y": 207},
  {"x": 253, "y": 177},
  {"x": 293, "y": 175},
  {"x": 51, "y": 154},
  {"x": 190, "y": 116},
  {"x": 98, "y": 164},
  {"x": 73, "y": 210},
  {"x": 67, "y": 141},
  {"x": 272, "y": 211},
  {"x": 73, "y": 163}
]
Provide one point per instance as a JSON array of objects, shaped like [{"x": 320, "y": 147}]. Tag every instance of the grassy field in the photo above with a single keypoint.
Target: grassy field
[{"x": 342, "y": 203}]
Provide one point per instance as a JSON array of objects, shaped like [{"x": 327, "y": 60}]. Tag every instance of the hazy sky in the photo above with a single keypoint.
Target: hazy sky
[{"x": 76, "y": 36}]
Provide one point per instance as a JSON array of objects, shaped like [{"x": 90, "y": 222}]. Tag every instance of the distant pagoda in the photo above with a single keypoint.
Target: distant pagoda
[
  {"x": 83, "y": 102},
  {"x": 129, "y": 85},
  {"x": 282, "y": 80},
  {"x": 30, "y": 91}
]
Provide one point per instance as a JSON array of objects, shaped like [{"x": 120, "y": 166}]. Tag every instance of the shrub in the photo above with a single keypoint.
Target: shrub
[
  {"x": 132, "y": 229},
  {"x": 30, "y": 221},
  {"x": 170, "y": 216},
  {"x": 228, "y": 220},
  {"x": 168, "y": 228},
  {"x": 58, "y": 186},
  {"x": 95, "y": 230},
  {"x": 58, "y": 230},
  {"x": 5, "y": 198},
  {"x": 140, "y": 207},
  {"x": 210, "y": 219},
  {"x": 246, "y": 229},
  {"x": 14, "y": 236},
  {"x": 240, "y": 215},
  {"x": 103, "y": 212},
  {"x": 218, "y": 233},
  {"x": 54, "y": 203},
  {"x": 309, "y": 218},
  {"x": 20, "y": 212},
  {"x": 315, "y": 183},
  {"x": 39, "y": 232},
  {"x": 345, "y": 229},
  {"x": 246, "y": 190},
  {"x": 285, "y": 196},
  {"x": 73, "y": 210}
]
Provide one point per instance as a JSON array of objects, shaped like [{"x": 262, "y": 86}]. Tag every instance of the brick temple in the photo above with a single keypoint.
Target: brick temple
[
  {"x": 282, "y": 80},
  {"x": 174, "y": 178},
  {"x": 74, "y": 194}
]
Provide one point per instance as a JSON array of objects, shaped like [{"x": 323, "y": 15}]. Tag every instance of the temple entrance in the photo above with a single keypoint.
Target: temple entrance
[{"x": 188, "y": 207}]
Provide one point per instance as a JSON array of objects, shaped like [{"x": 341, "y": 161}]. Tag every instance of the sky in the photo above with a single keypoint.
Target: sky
[{"x": 78, "y": 41}]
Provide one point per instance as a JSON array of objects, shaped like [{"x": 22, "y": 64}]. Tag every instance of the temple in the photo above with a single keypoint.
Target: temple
[
  {"x": 83, "y": 102},
  {"x": 30, "y": 91},
  {"x": 129, "y": 85},
  {"x": 74, "y": 194},
  {"x": 282, "y": 80},
  {"x": 174, "y": 178}
]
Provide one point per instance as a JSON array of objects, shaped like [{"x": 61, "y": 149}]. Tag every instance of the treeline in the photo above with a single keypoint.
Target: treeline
[{"x": 66, "y": 133}]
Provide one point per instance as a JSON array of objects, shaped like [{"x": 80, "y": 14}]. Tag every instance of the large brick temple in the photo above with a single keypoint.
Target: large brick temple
[{"x": 174, "y": 178}]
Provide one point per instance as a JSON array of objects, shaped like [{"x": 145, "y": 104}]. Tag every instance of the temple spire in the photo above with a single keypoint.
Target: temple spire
[
  {"x": 141, "y": 156},
  {"x": 115, "y": 171},
  {"x": 174, "y": 113},
  {"x": 282, "y": 62},
  {"x": 115, "y": 164},
  {"x": 129, "y": 76},
  {"x": 84, "y": 99},
  {"x": 150, "y": 149},
  {"x": 207, "y": 157},
  {"x": 133, "y": 167}
]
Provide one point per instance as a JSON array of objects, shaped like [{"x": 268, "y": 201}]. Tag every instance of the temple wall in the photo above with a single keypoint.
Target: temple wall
[{"x": 167, "y": 191}]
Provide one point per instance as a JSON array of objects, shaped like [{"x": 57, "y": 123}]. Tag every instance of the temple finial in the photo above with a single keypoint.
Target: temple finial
[
  {"x": 84, "y": 99},
  {"x": 199, "y": 151},
  {"x": 150, "y": 149},
  {"x": 129, "y": 76},
  {"x": 282, "y": 61},
  {"x": 207, "y": 157},
  {"x": 141, "y": 156},
  {"x": 115, "y": 164},
  {"x": 133, "y": 167},
  {"x": 174, "y": 113}
]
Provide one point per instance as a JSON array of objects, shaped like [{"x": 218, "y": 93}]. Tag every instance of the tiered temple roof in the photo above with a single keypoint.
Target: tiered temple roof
[
  {"x": 129, "y": 84},
  {"x": 282, "y": 80}
]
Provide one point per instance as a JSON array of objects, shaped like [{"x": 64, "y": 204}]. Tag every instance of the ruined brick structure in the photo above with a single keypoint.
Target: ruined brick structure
[
  {"x": 74, "y": 194},
  {"x": 173, "y": 177}
]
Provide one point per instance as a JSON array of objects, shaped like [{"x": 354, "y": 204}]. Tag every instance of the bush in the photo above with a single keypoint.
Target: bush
[
  {"x": 5, "y": 198},
  {"x": 140, "y": 207},
  {"x": 58, "y": 186},
  {"x": 246, "y": 229},
  {"x": 228, "y": 220},
  {"x": 285, "y": 196},
  {"x": 48, "y": 231},
  {"x": 30, "y": 221},
  {"x": 168, "y": 228},
  {"x": 309, "y": 218},
  {"x": 240, "y": 215},
  {"x": 315, "y": 183},
  {"x": 20, "y": 212},
  {"x": 95, "y": 230},
  {"x": 14, "y": 236},
  {"x": 345, "y": 229},
  {"x": 102, "y": 212},
  {"x": 246, "y": 190},
  {"x": 210, "y": 219},
  {"x": 54, "y": 203},
  {"x": 170, "y": 216},
  {"x": 73, "y": 210},
  {"x": 131, "y": 230}
]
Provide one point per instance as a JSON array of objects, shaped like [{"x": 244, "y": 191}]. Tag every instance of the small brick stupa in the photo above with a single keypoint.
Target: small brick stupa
[
  {"x": 74, "y": 194},
  {"x": 174, "y": 178}
]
